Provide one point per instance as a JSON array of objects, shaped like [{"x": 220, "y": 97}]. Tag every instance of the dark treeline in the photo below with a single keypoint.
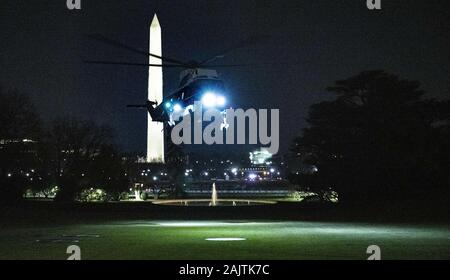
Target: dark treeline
[
  {"x": 379, "y": 143},
  {"x": 70, "y": 153}
]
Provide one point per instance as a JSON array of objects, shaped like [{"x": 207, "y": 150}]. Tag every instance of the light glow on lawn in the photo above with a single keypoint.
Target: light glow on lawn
[
  {"x": 226, "y": 239},
  {"x": 205, "y": 224}
]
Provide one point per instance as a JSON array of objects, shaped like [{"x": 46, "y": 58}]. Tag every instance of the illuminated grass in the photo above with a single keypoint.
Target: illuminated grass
[{"x": 263, "y": 240}]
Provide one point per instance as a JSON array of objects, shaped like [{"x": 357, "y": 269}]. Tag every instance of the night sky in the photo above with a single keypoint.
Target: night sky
[{"x": 42, "y": 48}]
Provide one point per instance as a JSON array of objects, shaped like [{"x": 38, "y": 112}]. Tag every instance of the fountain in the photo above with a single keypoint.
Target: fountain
[
  {"x": 213, "y": 195},
  {"x": 214, "y": 201}
]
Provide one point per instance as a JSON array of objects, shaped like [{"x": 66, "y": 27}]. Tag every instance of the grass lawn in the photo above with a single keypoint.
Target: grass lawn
[{"x": 169, "y": 239}]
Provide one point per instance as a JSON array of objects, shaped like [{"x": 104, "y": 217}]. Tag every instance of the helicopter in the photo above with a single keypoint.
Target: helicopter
[{"x": 198, "y": 80}]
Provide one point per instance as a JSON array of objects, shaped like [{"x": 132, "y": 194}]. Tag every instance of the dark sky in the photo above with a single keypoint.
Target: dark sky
[{"x": 42, "y": 48}]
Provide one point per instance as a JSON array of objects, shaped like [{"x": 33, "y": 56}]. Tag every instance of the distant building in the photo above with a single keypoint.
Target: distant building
[{"x": 260, "y": 157}]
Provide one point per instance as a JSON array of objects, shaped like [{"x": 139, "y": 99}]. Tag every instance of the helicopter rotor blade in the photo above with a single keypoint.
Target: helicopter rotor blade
[
  {"x": 132, "y": 64},
  {"x": 118, "y": 44},
  {"x": 242, "y": 44},
  {"x": 228, "y": 65},
  {"x": 136, "y": 106},
  {"x": 249, "y": 65}
]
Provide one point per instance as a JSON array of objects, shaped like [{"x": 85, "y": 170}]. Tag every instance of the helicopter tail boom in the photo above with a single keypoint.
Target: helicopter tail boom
[{"x": 150, "y": 106}]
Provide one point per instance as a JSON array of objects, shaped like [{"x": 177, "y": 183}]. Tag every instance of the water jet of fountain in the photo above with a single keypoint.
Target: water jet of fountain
[{"x": 214, "y": 195}]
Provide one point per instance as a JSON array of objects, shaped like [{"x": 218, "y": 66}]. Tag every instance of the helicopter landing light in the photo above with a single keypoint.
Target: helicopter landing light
[
  {"x": 177, "y": 108},
  {"x": 220, "y": 100},
  {"x": 211, "y": 99}
]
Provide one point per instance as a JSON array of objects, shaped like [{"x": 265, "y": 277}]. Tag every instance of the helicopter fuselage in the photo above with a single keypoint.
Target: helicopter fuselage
[{"x": 194, "y": 83}]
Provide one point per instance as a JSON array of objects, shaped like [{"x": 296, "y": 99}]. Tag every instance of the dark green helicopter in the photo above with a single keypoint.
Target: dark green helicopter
[{"x": 198, "y": 82}]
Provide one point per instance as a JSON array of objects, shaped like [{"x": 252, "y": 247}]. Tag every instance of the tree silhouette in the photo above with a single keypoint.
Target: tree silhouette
[
  {"x": 379, "y": 142},
  {"x": 20, "y": 130},
  {"x": 77, "y": 148}
]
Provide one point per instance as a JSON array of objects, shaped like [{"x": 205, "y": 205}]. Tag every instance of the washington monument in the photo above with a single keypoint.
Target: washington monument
[{"x": 155, "y": 130}]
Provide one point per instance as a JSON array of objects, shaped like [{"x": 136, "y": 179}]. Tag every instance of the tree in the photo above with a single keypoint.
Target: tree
[
  {"x": 109, "y": 173},
  {"x": 18, "y": 117},
  {"x": 20, "y": 130},
  {"x": 77, "y": 148},
  {"x": 376, "y": 143}
]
